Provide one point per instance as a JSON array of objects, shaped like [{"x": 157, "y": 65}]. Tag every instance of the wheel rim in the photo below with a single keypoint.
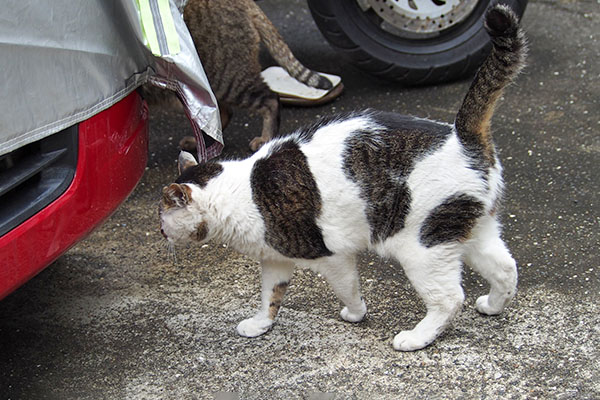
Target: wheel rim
[{"x": 418, "y": 19}]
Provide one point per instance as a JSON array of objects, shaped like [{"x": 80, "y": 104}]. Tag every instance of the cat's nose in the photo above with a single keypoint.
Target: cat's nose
[{"x": 162, "y": 232}]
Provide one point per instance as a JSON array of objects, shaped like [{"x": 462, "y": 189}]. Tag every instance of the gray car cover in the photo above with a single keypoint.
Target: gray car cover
[{"x": 62, "y": 61}]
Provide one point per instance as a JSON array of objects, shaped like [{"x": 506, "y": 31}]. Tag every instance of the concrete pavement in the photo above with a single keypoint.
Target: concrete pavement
[{"x": 117, "y": 318}]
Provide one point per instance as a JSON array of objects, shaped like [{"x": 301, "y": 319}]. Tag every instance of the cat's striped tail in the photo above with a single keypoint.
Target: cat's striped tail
[
  {"x": 282, "y": 53},
  {"x": 505, "y": 61}
]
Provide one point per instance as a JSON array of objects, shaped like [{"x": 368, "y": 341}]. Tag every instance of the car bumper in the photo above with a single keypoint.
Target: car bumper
[{"x": 112, "y": 156}]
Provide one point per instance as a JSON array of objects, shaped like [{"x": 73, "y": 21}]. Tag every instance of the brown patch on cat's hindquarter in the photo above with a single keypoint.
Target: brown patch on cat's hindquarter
[
  {"x": 451, "y": 221},
  {"x": 276, "y": 299}
]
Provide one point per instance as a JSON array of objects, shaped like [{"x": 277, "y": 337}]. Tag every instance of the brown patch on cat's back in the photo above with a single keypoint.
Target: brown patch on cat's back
[
  {"x": 287, "y": 197},
  {"x": 380, "y": 163}
]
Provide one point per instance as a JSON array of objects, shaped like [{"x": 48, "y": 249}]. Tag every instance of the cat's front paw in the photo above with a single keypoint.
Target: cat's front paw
[
  {"x": 410, "y": 341},
  {"x": 355, "y": 316},
  {"x": 253, "y": 327},
  {"x": 484, "y": 307}
]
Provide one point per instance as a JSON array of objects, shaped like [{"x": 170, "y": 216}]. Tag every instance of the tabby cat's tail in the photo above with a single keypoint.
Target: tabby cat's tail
[
  {"x": 499, "y": 69},
  {"x": 282, "y": 53}
]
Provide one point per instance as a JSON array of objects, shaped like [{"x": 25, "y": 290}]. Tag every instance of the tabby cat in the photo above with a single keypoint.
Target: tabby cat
[
  {"x": 227, "y": 35},
  {"x": 421, "y": 192}
]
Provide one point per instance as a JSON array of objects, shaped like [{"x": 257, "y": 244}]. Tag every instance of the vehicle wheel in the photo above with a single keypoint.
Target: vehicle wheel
[{"x": 409, "y": 41}]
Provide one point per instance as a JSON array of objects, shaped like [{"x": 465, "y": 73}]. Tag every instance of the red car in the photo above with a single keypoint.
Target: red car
[
  {"x": 54, "y": 191},
  {"x": 73, "y": 127}
]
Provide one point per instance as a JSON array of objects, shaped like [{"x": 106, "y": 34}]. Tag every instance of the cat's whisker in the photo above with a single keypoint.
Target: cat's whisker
[
  {"x": 172, "y": 252},
  {"x": 160, "y": 242},
  {"x": 169, "y": 248},
  {"x": 164, "y": 244}
]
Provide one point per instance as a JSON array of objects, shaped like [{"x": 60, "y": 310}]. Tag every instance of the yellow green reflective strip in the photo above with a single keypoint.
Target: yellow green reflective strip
[
  {"x": 147, "y": 22},
  {"x": 169, "y": 26},
  {"x": 158, "y": 27}
]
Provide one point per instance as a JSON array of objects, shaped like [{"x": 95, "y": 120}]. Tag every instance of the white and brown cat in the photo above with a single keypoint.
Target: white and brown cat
[{"x": 421, "y": 192}]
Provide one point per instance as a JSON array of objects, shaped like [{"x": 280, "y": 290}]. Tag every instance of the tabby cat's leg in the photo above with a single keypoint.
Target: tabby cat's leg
[
  {"x": 275, "y": 279},
  {"x": 269, "y": 110},
  {"x": 487, "y": 254},
  {"x": 435, "y": 274},
  {"x": 342, "y": 275}
]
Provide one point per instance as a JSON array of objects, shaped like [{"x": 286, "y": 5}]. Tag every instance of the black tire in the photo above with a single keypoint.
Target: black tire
[{"x": 455, "y": 53}]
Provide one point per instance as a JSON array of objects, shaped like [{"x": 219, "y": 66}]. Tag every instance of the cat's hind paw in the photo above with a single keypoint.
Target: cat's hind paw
[
  {"x": 410, "y": 341},
  {"x": 484, "y": 307},
  {"x": 253, "y": 327},
  {"x": 356, "y": 316}
]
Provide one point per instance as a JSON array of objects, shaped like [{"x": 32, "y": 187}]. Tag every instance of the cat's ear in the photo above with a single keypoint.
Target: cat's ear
[
  {"x": 176, "y": 195},
  {"x": 185, "y": 161}
]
